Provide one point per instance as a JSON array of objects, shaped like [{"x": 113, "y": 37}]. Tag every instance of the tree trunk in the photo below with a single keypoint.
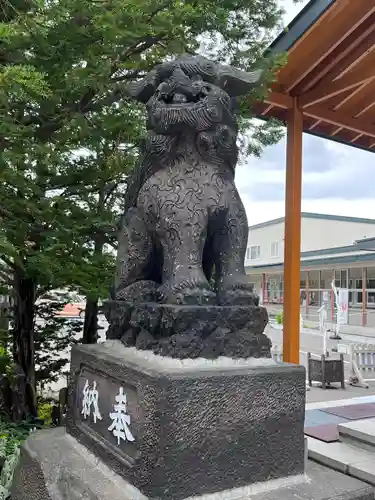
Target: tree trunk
[
  {"x": 24, "y": 390},
  {"x": 90, "y": 328}
]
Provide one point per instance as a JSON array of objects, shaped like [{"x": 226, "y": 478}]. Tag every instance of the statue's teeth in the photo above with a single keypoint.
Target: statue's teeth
[{"x": 179, "y": 98}]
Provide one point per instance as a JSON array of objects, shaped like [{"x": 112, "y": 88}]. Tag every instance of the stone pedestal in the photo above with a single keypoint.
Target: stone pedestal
[
  {"x": 144, "y": 427},
  {"x": 195, "y": 426}
]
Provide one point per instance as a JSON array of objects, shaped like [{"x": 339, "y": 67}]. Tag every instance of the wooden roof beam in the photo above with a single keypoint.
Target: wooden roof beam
[
  {"x": 279, "y": 100},
  {"x": 352, "y": 100},
  {"x": 364, "y": 105},
  {"x": 356, "y": 13},
  {"x": 321, "y": 114},
  {"x": 315, "y": 124},
  {"x": 334, "y": 118},
  {"x": 335, "y": 131},
  {"x": 352, "y": 50},
  {"x": 355, "y": 139},
  {"x": 325, "y": 90}
]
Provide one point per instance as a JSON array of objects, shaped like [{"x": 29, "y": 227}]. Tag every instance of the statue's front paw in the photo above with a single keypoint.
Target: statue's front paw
[
  {"x": 192, "y": 296},
  {"x": 187, "y": 292},
  {"x": 236, "y": 290}
]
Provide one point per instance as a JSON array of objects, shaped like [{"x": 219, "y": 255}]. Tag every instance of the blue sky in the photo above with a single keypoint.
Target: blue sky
[{"x": 335, "y": 177}]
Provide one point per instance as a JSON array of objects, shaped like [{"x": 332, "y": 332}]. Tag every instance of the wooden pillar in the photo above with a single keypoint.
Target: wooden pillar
[
  {"x": 364, "y": 296},
  {"x": 264, "y": 299},
  {"x": 333, "y": 303},
  {"x": 319, "y": 288},
  {"x": 307, "y": 293},
  {"x": 292, "y": 238}
]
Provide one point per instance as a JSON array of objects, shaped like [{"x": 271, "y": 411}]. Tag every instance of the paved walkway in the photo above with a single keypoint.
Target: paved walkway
[{"x": 335, "y": 396}]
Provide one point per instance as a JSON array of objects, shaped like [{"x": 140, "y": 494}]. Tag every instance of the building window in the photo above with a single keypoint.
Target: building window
[
  {"x": 341, "y": 278},
  {"x": 275, "y": 249},
  {"x": 255, "y": 252},
  {"x": 248, "y": 253}
]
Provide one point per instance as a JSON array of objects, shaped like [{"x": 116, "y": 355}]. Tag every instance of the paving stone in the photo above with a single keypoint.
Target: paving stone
[
  {"x": 315, "y": 418},
  {"x": 338, "y": 455},
  {"x": 327, "y": 433},
  {"x": 353, "y": 411},
  {"x": 320, "y": 405},
  {"x": 365, "y": 471},
  {"x": 361, "y": 430}
]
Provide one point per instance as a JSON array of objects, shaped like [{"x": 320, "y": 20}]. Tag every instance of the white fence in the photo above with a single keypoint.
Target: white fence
[
  {"x": 364, "y": 356},
  {"x": 362, "y": 361}
]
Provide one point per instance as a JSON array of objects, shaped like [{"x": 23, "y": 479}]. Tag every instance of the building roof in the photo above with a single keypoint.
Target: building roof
[
  {"x": 330, "y": 71},
  {"x": 311, "y": 215},
  {"x": 349, "y": 254},
  {"x": 300, "y": 24},
  {"x": 367, "y": 244},
  {"x": 345, "y": 260}
]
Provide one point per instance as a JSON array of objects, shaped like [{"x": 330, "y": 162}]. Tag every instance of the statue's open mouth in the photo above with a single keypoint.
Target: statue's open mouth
[{"x": 179, "y": 99}]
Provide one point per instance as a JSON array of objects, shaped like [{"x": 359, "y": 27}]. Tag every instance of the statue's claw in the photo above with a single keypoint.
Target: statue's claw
[
  {"x": 236, "y": 290},
  {"x": 187, "y": 291}
]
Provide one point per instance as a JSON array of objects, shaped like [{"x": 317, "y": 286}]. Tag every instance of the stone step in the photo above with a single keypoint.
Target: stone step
[
  {"x": 345, "y": 458},
  {"x": 360, "y": 433}
]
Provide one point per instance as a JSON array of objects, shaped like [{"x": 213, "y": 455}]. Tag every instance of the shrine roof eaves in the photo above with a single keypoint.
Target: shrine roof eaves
[
  {"x": 329, "y": 74},
  {"x": 300, "y": 24}
]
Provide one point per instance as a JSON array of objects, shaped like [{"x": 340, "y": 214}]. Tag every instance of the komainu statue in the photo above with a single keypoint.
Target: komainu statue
[{"x": 184, "y": 232}]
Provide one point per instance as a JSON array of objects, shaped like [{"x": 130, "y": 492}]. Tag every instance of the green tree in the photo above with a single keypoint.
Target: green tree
[
  {"x": 54, "y": 335},
  {"x": 69, "y": 135},
  {"x": 95, "y": 195}
]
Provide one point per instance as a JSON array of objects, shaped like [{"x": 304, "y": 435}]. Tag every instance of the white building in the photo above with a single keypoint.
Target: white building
[
  {"x": 318, "y": 231},
  {"x": 332, "y": 247}
]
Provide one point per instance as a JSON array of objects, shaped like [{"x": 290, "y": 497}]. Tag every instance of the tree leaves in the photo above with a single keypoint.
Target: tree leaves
[{"x": 69, "y": 135}]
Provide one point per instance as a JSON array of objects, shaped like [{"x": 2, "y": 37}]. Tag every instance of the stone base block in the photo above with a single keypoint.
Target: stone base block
[
  {"x": 54, "y": 466},
  {"x": 181, "y": 428},
  {"x": 184, "y": 331}
]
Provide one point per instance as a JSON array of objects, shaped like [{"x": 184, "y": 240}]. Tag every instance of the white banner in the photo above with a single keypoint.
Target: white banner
[{"x": 343, "y": 306}]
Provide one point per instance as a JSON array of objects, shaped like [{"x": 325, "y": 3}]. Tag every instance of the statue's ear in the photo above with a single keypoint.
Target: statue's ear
[
  {"x": 236, "y": 82},
  {"x": 143, "y": 90}
]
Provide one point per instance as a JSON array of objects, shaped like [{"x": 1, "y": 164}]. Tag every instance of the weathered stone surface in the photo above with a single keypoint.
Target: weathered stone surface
[
  {"x": 54, "y": 466},
  {"x": 183, "y": 235},
  {"x": 200, "y": 426},
  {"x": 184, "y": 225},
  {"x": 190, "y": 331}
]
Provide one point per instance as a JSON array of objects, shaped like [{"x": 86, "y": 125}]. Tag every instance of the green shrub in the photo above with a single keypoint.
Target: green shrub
[
  {"x": 11, "y": 437},
  {"x": 280, "y": 318},
  {"x": 45, "y": 413}
]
